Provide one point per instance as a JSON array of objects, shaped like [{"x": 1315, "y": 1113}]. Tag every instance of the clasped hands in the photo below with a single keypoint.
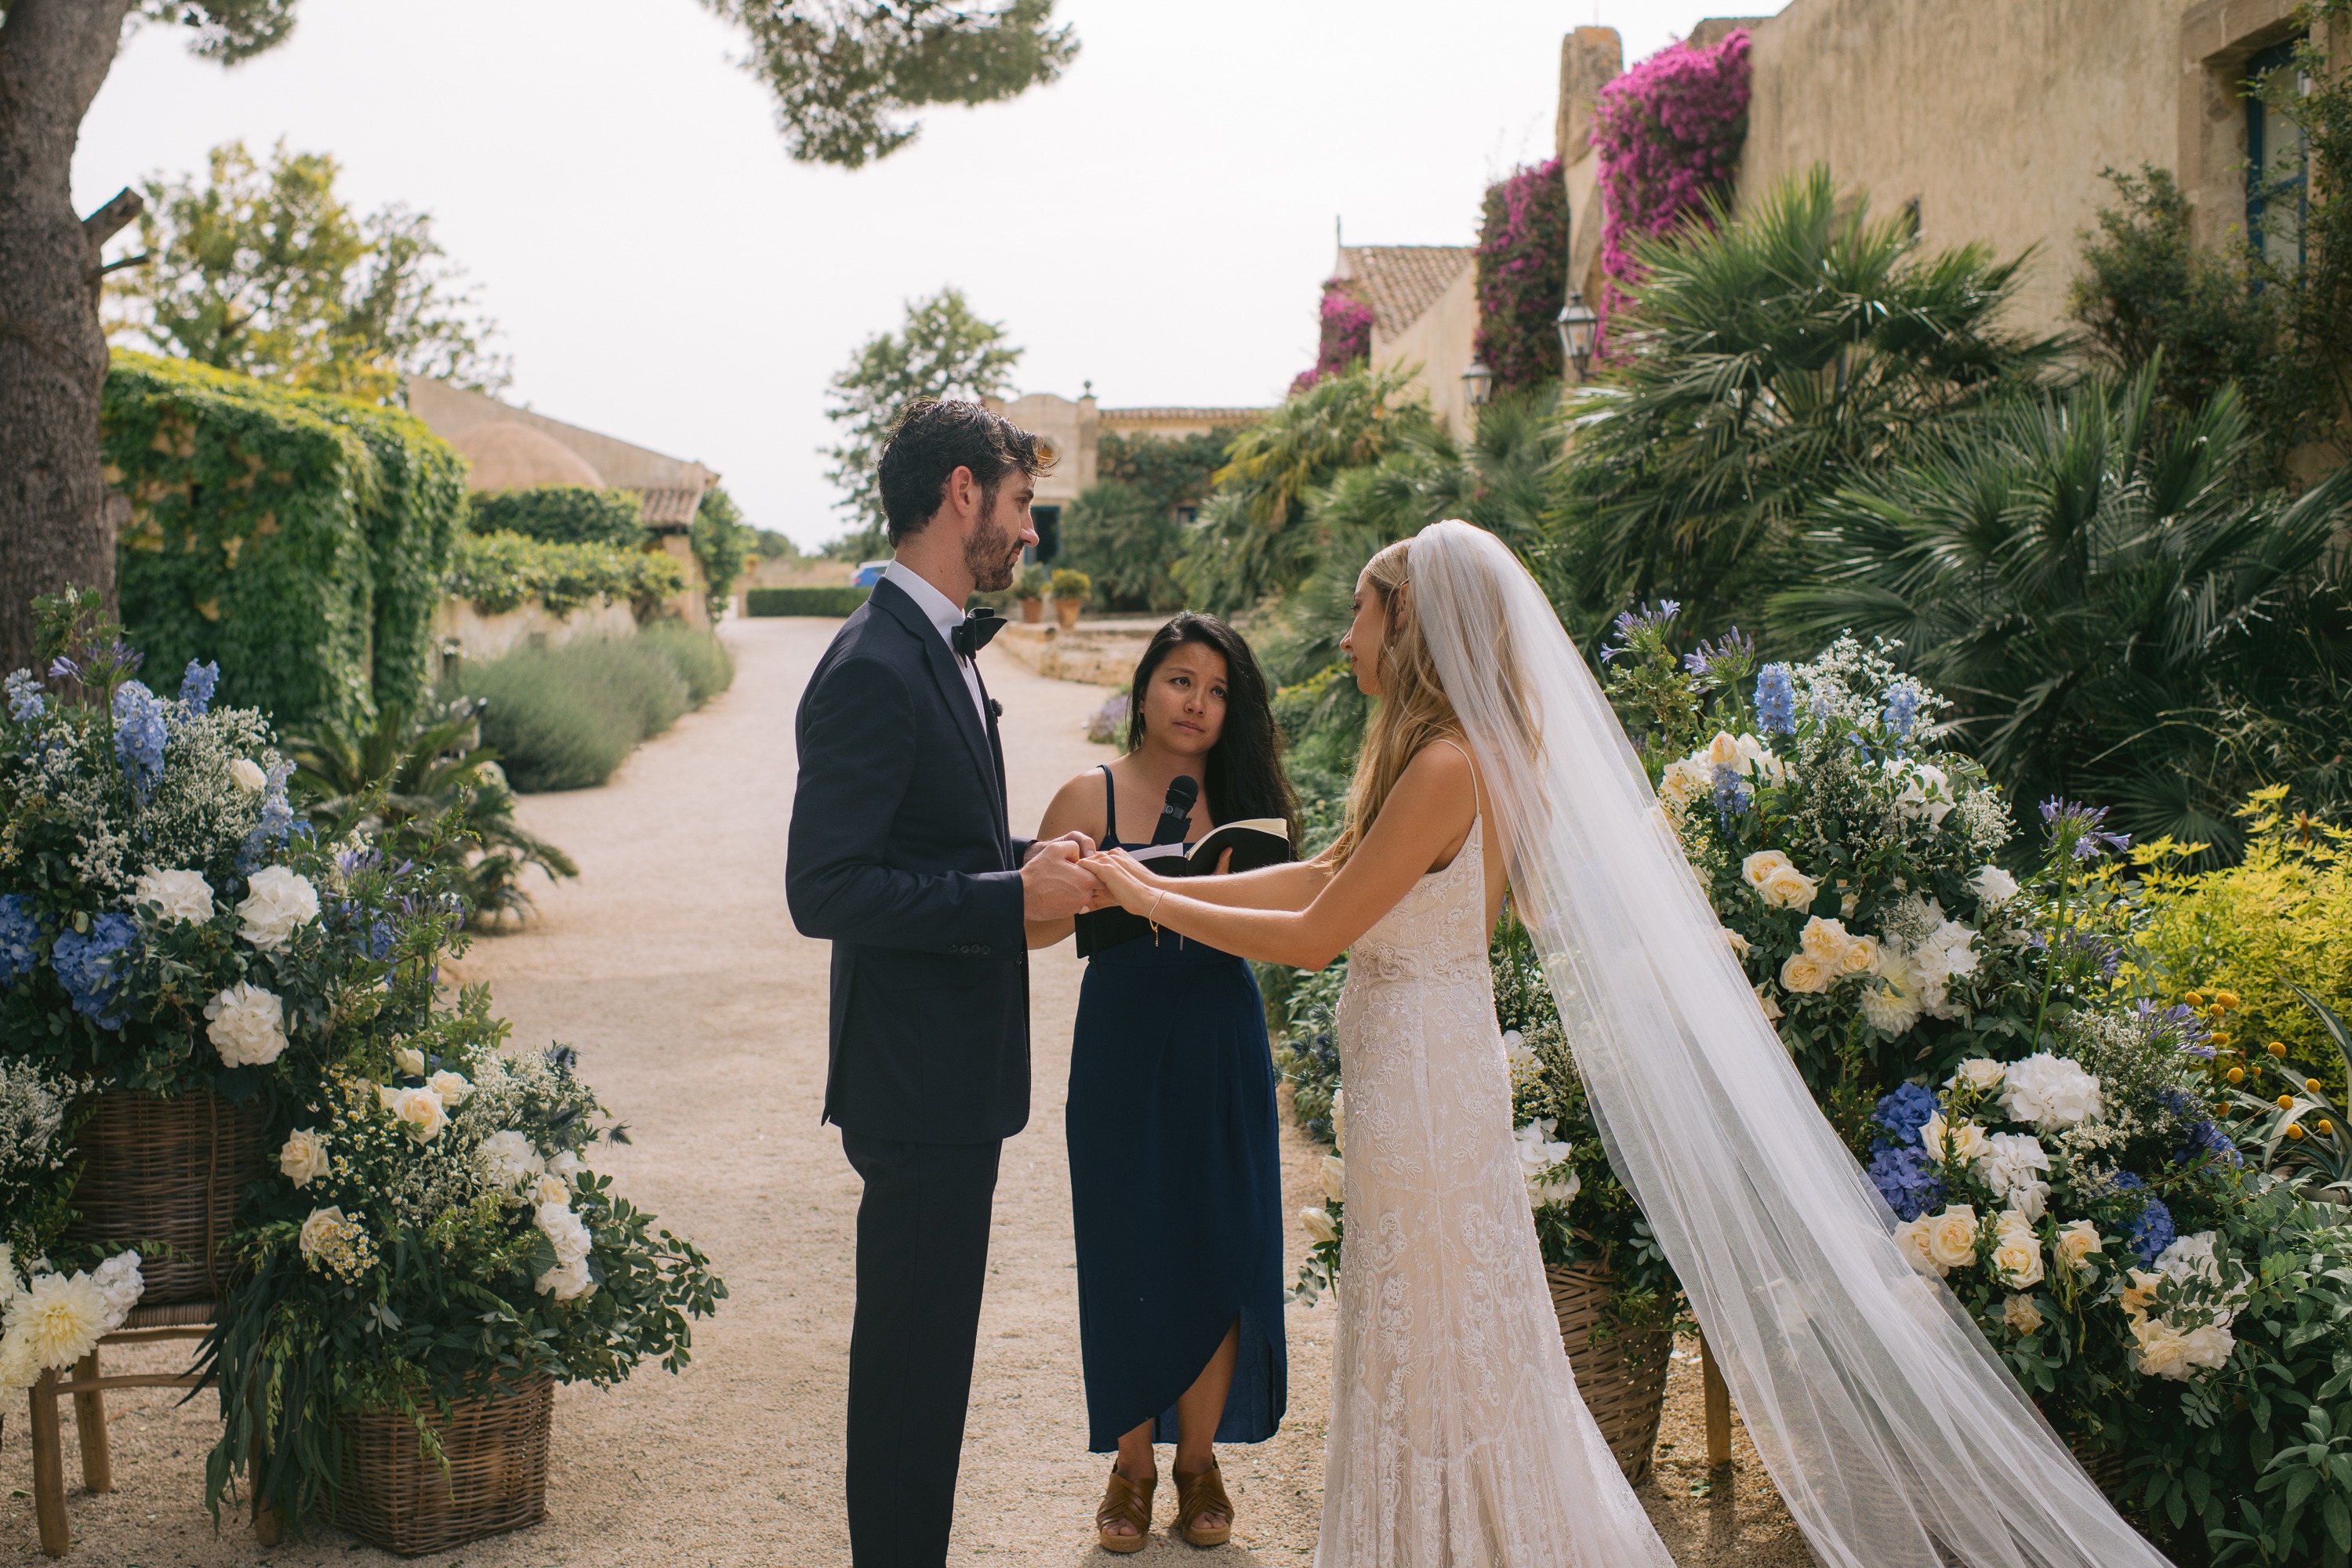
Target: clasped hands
[{"x": 1069, "y": 876}]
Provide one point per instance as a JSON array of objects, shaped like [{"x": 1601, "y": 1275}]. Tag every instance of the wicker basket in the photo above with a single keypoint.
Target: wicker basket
[
  {"x": 396, "y": 1496},
  {"x": 1622, "y": 1377},
  {"x": 169, "y": 1170},
  {"x": 2105, "y": 1466}
]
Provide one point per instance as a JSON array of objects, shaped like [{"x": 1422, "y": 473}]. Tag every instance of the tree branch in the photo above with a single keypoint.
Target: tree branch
[{"x": 112, "y": 219}]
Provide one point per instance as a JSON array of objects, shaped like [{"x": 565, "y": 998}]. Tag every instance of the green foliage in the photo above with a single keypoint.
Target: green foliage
[
  {"x": 267, "y": 273},
  {"x": 502, "y": 572},
  {"x": 1180, "y": 470},
  {"x": 1126, "y": 541},
  {"x": 1068, "y": 585},
  {"x": 770, "y": 545},
  {"x": 564, "y": 718},
  {"x": 1254, "y": 537},
  {"x": 2150, "y": 295},
  {"x": 842, "y": 75},
  {"x": 1768, "y": 359},
  {"x": 943, "y": 351},
  {"x": 725, "y": 545},
  {"x": 298, "y": 539},
  {"x": 2119, "y": 612},
  {"x": 803, "y": 601},
  {"x": 228, "y": 31},
  {"x": 563, "y": 514},
  {"x": 422, "y": 786}
]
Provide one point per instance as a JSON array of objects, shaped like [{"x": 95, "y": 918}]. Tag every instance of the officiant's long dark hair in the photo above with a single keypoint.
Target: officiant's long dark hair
[{"x": 1244, "y": 767}]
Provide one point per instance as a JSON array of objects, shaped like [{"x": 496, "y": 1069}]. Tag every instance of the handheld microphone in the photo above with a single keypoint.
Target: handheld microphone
[{"x": 1176, "y": 816}]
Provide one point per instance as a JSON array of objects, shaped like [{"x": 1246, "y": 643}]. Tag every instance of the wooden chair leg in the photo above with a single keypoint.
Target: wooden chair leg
[
  {"x": 90, "y": 1427},
  {"x": 1718, "y": 1408},
  {"x": 49, "y": 1469}
]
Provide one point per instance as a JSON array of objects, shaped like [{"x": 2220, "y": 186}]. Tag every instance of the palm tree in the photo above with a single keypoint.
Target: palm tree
[
  {"x": 2115, "y": 607},
  {"x": 1766, "y": 358}
]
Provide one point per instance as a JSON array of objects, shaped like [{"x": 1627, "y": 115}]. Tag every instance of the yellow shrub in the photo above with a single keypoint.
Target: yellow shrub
[{"x": 2280, "y": 918}]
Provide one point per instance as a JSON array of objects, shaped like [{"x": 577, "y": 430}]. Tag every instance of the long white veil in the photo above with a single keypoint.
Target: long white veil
[{"x": 1897, "y": 1436}]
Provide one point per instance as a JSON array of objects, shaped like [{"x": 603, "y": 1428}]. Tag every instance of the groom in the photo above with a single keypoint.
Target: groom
[{"x": 901, "y": 855}]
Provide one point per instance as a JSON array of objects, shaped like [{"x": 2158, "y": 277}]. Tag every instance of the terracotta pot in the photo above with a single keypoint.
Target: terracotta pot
[
  {"x": 1065, "y": 612},
  {"x": 1032, "y": 611}
]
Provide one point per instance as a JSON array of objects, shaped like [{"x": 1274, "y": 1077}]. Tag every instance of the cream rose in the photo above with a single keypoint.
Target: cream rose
[
  {"x": 2077, "y": 1241},
  {"x": 248, "y": 777},
  {"x": 1737, "y": 942},
  {"x": 1859, "y": 956},
  {"x": 184, "y": 895},
  {"x": 1961, "y": 1145},
  {"x": 419, "y": 1111},
  {"x": 1335, "y": 1172},
  {"x": 1683, "y": 784},
  {"x": 2020, "y": 1314},
  {"x": 1911, "y": 1240},
  {"x": 247, "y": 1026},
  {"x": 277, "y": 903},
  {"x": 1724, "y": 751},
  {"x": 1320, "y": 1228},
  {"x": 2017, "y": 1259},
  {"x": 451, "y": 1087},
  {"x": 321, "y": 1230},
  {"x": 1759, "y": 866},
  {"x": 1804, "y": 975},
  {"x": 1978, "y": 1073},
  {"x": 2137, "y": 1296},
  {"x": 408, "y": 1061},
  {"x": 1764, "y": 998},
  {"x": 1339, "y": 1122},
  {"x": 304, "y": 1158},
  {"x": 1825, "y": 940},
  {"x": 550, "y": 1189},
  {"x": 1787, "y": 889},
  {"x": 1952, "y": 1237}
]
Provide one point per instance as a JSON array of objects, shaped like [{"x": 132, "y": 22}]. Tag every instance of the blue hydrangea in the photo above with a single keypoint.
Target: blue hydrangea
[
  {"x": 197, "y": 684},
  {"x": 1731, "y": 792},
  {"x": 2205, "y": 1139},
  {"x": 86, "y": 964},
  {"x": 2150, "y": 1231},
  {"x": 1903, "y": 708},
  {"x": 1776, "y": 699},
  {"x": 20, "y": 935},
  {"x": 1906, "y": 1180},
  {"x": 1901, "y": 1114},
  {"x": 139, "y": 735},
  {"x": 25, "y": 701}
]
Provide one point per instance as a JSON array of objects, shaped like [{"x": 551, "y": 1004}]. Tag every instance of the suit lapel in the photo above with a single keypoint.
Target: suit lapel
[{"x": 952, "y": 690}]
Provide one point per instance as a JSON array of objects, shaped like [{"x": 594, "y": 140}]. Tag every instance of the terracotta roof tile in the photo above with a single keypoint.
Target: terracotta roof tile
[
  {"x": 1400, "y": 282},
  {"x": 1182, "y": 415}
]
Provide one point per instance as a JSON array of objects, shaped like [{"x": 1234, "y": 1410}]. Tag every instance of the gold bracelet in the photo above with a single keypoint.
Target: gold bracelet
[{"x": 1151, "y": 919}]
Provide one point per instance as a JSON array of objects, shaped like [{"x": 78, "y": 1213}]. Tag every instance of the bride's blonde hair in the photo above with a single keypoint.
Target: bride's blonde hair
[{"x": 1413, "y": 709}]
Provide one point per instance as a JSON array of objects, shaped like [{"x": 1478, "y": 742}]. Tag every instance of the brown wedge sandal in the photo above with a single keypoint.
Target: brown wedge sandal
[
  {"x": 1124, "y": 1502},
  {"x": 1200, "y": 1494}
]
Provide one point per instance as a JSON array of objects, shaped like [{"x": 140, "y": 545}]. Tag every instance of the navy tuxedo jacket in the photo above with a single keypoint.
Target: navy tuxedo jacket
[{"x": 900, "y": 854}]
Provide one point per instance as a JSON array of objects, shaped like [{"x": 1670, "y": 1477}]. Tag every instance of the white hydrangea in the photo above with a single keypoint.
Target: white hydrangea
[
  {"x": 247, "y": 1025},
  {"x": 182, "y": 895},
  {"x": 564, "y": 1230},
  {"x": 2052, "y": 1092},
  {"x": 2013, "y": 1166},
  {"x": 1993, "y": 886},
  {"x": 278, "y": 902},
  {"x": 1540, "y": 1153},
  {"x": 1899, "y": 1001}
]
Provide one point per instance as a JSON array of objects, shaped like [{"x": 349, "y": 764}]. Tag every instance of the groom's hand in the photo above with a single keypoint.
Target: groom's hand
[
  {"x": 1053, "y": 885},
  {"x": 1085, "y": 844}
]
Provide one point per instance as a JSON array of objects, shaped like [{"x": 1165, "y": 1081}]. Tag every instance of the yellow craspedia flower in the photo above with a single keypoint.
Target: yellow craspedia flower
[
  {"x": 2215, "y": 1011},
  {"x": 2311, "y": 1085},
  {"x": 2196, "y": 998},
  {"x": 2327, "y": 1127},
  {"x": 2225, "y": 1000},
  {"x": 2221, "y": 1038},
  {"x": 2221, "y": 1108},
  {"x": 2237, "y": 1075},
  {"x": 2276, "y": 1047},
  {"x": 2286, "y": 1102},
  {"x": 2295, "y": 1132}
]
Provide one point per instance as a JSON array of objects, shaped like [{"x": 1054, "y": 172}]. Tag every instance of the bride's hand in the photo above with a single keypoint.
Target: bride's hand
[{"x": 1131, "y": 887}]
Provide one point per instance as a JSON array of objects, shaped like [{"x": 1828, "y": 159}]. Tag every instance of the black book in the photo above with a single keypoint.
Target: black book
[{"x": 1256, "y": 843}]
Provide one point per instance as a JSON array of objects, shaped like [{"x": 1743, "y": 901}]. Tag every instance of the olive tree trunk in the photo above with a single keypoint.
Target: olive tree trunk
[{"x": 54, "y": 55}]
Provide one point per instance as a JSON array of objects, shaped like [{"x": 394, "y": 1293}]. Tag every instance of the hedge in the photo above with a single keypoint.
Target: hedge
[
  {"x": 563, "y": 514},
  {"x": 298, "y": 539},
  {"x": 802, "y": 601},
  {"x": 498, "y": 571}
]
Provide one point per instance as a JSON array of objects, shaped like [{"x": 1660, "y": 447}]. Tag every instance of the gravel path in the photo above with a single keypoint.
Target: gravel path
[{"x": 700, "y": 1015}]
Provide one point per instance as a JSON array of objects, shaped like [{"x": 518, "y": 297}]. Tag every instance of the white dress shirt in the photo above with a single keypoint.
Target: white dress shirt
[{"x": 946, "y": 615}]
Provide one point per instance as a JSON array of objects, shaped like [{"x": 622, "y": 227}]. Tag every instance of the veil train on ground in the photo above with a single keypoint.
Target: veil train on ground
[{"x": 1893, "y": 1432}]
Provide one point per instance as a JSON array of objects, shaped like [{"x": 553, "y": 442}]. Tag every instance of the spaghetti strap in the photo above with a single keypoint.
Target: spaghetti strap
[{"x": 1110, "y": 809}]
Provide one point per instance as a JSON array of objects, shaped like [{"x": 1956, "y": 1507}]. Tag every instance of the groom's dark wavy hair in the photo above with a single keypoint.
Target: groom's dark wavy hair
[
  {"x": 1244, "y": 767},
  {"x": 930, "y": 440}
]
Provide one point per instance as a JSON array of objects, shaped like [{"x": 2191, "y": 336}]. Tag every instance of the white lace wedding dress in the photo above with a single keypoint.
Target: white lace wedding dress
[{"x": 1457, "y": 1437}]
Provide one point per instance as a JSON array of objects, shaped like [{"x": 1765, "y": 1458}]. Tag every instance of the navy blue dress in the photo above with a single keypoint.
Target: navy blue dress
[{"x": 1176, "y": 1185}]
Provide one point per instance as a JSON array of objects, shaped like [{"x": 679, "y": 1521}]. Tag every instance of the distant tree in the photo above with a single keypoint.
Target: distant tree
[
  {"x": 1174, "y": 472},
  {"x": 843, "y": 73},
  {"x": 943, "y": 351},
  {"x": 1127, "y": 541},
  {"x": 723, "y": 544},
  {"x": 264, "y": 270}
]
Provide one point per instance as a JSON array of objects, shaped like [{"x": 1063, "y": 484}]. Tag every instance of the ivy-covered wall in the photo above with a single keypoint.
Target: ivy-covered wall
[
  {"x": 298, "y": 539},
  {"x": 563, "y": 514}
]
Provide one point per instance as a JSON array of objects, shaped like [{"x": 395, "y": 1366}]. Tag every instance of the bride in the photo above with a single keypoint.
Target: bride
[{"x": 1458, "y": 1439}]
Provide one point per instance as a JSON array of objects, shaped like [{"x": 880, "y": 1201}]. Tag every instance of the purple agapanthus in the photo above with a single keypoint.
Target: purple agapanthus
[
  {"x": 2188, "y": 1028},
  {"x": 1728, "y": 658},
  {"x": 2069, "y": 819},
  {"x": 2205, "y": 1138},
  {"x": 1634, "y": 623}
]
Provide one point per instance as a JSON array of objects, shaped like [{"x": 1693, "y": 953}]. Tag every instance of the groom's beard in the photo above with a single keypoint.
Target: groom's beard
[{"x": 992, "y": 553}]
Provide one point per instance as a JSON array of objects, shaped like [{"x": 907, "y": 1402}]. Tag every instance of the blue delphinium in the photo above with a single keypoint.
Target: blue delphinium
[
  {"x": 277, "y": 819},
  {"x": 85, "y": 966},
  {"x": 1776, "y": 699},
  {"x": 139, "y": 735},
  {"x": 197, "y": 684},
  {"x": 2205, "y": 1140},
  {"x": 1731, "y": 792},
  {"x": 1901, "y": 1114},
  {"x": 1903, "y": 708},
  {"x": 20, "y": 933},
  {"x": 1906, "y": 1180},
  {"x": 25, "y": 701},
  {"x": 2150, "y": 1231}
]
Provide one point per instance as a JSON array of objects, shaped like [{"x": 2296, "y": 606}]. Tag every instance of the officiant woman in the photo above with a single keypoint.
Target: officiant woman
[{"x": 1175, "y": 1173}]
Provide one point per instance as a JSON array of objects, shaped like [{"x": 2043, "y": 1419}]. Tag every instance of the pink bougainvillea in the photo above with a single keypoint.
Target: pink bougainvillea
[
  {"x": 1668, "y": 132},
  {"x": 1347, "y": 337},
  {"x": 1522, "y": 276}
]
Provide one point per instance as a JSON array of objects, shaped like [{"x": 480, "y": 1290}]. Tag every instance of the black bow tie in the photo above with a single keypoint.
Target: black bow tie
[{"x": 978, "y": 627}]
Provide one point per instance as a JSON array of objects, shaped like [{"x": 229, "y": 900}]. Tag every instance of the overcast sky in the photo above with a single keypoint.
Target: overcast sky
[{"x": 1157, "y": 222}]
